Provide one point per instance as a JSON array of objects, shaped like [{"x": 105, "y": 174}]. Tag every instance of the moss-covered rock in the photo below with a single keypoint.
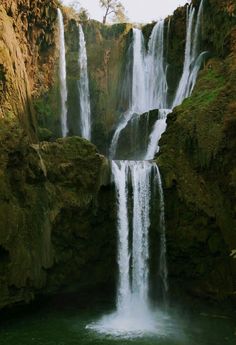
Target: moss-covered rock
[
  {"x": 27, "y": 40},
  {"x": 107, "y": 49},
  {"x": 197, "y": 161},
  {"x": 54, "y": 219}
]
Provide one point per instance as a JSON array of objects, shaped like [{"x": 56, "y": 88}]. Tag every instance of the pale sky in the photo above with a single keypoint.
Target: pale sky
[{"x": 138, "y": 11}]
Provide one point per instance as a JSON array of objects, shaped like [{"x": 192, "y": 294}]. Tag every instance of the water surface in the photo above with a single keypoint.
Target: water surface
[{"x": 73, "y": 324}]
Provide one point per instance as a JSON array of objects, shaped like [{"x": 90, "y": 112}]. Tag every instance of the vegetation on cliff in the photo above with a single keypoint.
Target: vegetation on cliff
[
  {"x": 198, "y": 162},
  {"x": 56, "y": 207}
]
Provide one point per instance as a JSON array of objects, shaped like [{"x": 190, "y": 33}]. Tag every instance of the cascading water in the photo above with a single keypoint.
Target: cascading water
[
  {"x": 149, "y": 84},
  {"x": 141, "y": 179},
  {"x": 120, "y": 173},
  {"x": 134, "y": 182},
  {"x": 192, "y": 64},
  {"x": 63, "y": 85},
  {"x": 139, "y": 91},
  {"x": 156, "y": 69},
  {"x": 163, "y": 264},
  {"x": 83, "y": 85},
  {"x": 158, "y": 129},
  {"x": 134, "y": 317},
  {"x": 192, "y": 59}
]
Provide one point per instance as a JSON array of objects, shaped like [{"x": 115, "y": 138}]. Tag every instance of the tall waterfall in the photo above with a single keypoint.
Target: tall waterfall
[
  {"x": 192, "y": 64},
  {"x": 156, "y": 67},
  {"x": 134, "y": 180},
  {"x": 139, "y": 91},
  {"x": 192, "y": 58},
  {"x": 63, "y": 86},
  {"x": 85, "y": 111},
  {"x": 149, "y": 84},
  {"x": 120, "y": 173},
  {"x": 163, "y": 264},
  {"x": 158, "y": 129},
  {"x": 140, "y": 174}
]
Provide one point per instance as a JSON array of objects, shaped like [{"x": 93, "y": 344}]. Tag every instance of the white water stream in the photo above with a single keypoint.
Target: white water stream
[
  {"x": 192, "y": 59},
  {"x": 85, "y": 111},
  {"x": 63, "y": 85},
  {"x": 134, "y": 180}
]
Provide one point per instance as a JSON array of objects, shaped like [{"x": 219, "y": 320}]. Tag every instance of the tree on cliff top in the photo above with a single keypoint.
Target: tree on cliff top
[
  {"x": 113, "y": 7},
  {"x": 80, "y": 13}
]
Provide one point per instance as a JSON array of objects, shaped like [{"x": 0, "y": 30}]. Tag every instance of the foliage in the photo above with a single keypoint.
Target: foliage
[
  {"x": 113, "y": 7},
  {"x": 80, "y": 13},
  {"x": 83, "y": 14}
]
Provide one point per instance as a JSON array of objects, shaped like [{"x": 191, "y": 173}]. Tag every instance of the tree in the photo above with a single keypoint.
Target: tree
[
  {"x": 74, "y": 4},
  {"x": 83, "y": 15},
  {"x": 112, "y": 6},
  {"x": 80, "y": 13},
  {"x": 120, "y": 16}
]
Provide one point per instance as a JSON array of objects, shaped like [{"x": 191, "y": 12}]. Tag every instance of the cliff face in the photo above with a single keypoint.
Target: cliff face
[
  {"x": 26, "y": 40},
  {"x": 53, "y": 197},
  {"x": 108, "y": 76},
  {"x": 57, "y": 216},
  {"x": 198, "y": 163},
  {"x": 107, "y": 50},
  {"x": 54, "y": 219}
]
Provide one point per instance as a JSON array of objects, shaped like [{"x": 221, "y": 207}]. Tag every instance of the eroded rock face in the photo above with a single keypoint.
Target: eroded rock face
[
  {"x": 57, "y": 210},
  {"x": 27, "y": 37},
  {"x": 198, "y": 161},
  {"x": 56, "y": 228}
]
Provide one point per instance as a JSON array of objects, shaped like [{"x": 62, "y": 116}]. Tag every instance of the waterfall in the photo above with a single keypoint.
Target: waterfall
[
  {"x": 139, "y": 175},
  {"x": 123, "y": 123},
  {"x": 149, "y": 74},
  {"x": 85, "y": 111},
  {"x": 158, "y": 129},
  {"x": 192, "y": 59},
  {"x": 134, "y": 180},
  {"x": 139, "y": 91},
  {"x": 149, "y": 84},
  {"x": 192, "y": 64},
  {"x": 140, "y": 180},
  {"x": 63, "y": 86},
  {"x": 156, "y": 77},
  {"x": 163, "y": 264},
  {"x": 120, "y": 174}
]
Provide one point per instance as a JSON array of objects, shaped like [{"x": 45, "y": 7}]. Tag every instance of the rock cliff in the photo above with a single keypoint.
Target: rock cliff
[
  {"x": 198, "y": 163},
  {"x": 54, "y": 223}
]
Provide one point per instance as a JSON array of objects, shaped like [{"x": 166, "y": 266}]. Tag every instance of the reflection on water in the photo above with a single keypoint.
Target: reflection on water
[{"x": 53, "y": 325}]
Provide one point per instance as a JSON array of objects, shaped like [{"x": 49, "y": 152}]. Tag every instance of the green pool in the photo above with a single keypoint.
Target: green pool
[{"x": 72, "y": 324}]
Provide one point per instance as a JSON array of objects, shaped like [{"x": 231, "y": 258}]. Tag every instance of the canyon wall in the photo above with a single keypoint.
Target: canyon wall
[{"x": 197, "y": 161}]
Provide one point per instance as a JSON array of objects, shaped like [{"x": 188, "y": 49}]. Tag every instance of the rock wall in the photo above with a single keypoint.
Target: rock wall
[
  {"x": 54, "y": 221},
  {"x": 56, "y": 229},
  {"x": 55, "y": 226},
  {"x": 198, "y": 161},
  {"x": 26, "y": 42},
  {"x": 107, "y": 50}
]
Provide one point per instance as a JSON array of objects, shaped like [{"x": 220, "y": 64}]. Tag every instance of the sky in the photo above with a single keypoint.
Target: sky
[{"x": 138, "y": 11}]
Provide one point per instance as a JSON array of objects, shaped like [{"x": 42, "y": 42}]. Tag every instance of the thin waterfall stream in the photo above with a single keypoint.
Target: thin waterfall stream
[
  {"x": 63, "y": 85},
  {"x": 134, "y": 181},
  {"x": 83, "y": 85}
]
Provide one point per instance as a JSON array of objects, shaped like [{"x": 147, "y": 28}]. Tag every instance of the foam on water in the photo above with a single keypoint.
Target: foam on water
[{"x": 135, "y": 323}]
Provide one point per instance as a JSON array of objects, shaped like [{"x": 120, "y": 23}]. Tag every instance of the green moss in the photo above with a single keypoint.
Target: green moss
[
  {"x": 197, "y": 160},
  {"x": 211, "y": 82},
  {"x": 47, "y": 108},
  {"x": 48, "y": 196}
]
